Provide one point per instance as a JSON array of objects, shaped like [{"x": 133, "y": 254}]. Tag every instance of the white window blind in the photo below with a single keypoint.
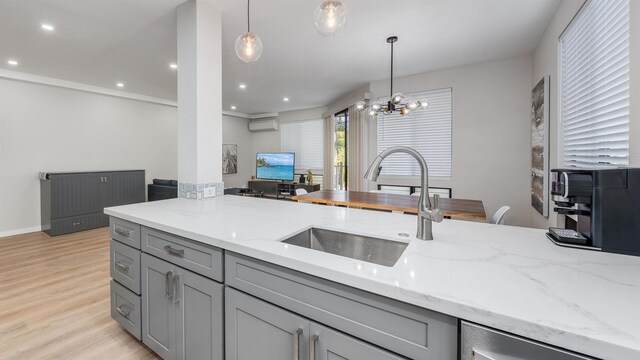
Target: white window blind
[
  {"x": 428, "y": 131},
  {"x": 306, "y": 139},
  {"x": 594, "y": 55}
]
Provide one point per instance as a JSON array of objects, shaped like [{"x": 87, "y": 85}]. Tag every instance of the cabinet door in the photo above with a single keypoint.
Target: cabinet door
[
  {"x": 158, "y": 309},
  {"x": 255, "y": 329},
  {"x": 199, "y": 303},
  {"x": 328, "y": 344},
  {"x": 74, "y": 194},
  {"x": 121, "y": 188}
]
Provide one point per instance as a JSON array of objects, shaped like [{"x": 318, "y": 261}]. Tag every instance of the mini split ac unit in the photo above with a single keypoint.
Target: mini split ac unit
[{"x": 263, "y": 125}]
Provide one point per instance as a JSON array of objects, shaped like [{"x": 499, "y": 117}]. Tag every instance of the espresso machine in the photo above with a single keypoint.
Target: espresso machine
[{"x": 601, "y": 208}]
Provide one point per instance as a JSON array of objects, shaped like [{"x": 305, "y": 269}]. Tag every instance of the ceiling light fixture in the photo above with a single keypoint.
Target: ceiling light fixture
[
  {"x": 330, "y": 17},
  {"x": 242, "y": 86},
  {"x": 47, "y": 27},
  {"x": 396, "y": 101},
  {"x": 285, "y": 99},
  {"x": 233, "y": 107},
  {"x": 173, "y": 66},
  {"x": 120, "y": 85},
  {"x": 12, "y": 62},
  {"x": 248, "y": 45}
]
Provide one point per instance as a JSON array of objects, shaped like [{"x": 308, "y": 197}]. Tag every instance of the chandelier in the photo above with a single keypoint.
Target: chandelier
[{"x": 396, "y": 101}]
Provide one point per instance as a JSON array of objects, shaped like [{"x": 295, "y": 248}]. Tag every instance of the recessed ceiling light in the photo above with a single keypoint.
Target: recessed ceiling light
[
  {"x": 285, "y": 99},
  {"x": 173, "y": 66},
  {"x": 242, "y": 86},
  {"x": 120, "y": 85},
  {"x": 233, "y": 107},
  {"x": 47, "y": 27},
  {"x": 12, "y": 62}
]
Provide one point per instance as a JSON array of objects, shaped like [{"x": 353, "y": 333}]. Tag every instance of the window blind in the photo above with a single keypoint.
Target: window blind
[
  {"x": 427, "y": 131},
  {"x": 594, "y": 55},
  {"x": 306, "y": 139}
]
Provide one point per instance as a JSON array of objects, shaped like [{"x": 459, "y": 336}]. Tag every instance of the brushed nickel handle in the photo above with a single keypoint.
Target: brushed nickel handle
[
  {"x": 168, "y": 285},
  {"x": 296, "y": 344},
  {"x": 174, "y": 252},
  {"x": 312, "y": 346},
  {"x": 122, "y": 267},
  {"x": 122, "y": 232},
  {"x": 176, "y": 289},
  {"x": 123, "y": 310}
]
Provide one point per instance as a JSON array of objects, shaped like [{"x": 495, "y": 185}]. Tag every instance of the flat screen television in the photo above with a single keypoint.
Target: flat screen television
[{"x": 275, "y": 166}]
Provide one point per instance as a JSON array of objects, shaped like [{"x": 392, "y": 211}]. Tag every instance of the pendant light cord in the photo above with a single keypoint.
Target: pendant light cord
[
  {"x": 391, "y": 94},
  {"x": 248, "y": 18}
]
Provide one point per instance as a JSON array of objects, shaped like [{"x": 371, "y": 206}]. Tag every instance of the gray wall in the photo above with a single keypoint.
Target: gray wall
[
  {"x": 47, "y": 128},
  {"x": 491, "y": 134},
  {"x": 235, "y": 130}
]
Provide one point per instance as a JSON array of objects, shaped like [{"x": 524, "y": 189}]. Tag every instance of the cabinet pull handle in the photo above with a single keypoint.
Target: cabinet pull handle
[
  {"x": 122, "y": 232},
  {"x": 176, "y": 289},
  {"x": 123, "y": 310},
  {"x": 312, "y": 346},
  {"x": 122, "y": 266},
  {"x": 174, "y": 252},
  {"x": 168, "y": 285},
  {"x": 296, "y": 344}
]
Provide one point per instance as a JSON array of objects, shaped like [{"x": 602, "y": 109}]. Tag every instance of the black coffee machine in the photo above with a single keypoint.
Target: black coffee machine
[{"x": 602, "y": 209}]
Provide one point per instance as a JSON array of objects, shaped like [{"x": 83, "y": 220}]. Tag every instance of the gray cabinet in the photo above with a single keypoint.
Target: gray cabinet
[
  {"x": 158, "y": 310},
  {"x": 258, "y": 330},
  {"x": 328, "y": 344},
  {"x": 71, "y": 202},
  {"x": 255, "y": 329},
  {"x": 181, "y": 312}
]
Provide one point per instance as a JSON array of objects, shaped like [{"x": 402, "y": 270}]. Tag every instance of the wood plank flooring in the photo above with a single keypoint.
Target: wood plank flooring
[{"x": 54, "y": 299}]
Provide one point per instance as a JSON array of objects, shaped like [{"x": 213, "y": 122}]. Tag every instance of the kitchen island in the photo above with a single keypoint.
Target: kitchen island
[{"x": 507, "y": 278}]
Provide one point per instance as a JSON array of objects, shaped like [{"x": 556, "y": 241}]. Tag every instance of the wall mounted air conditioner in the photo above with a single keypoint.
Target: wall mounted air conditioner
[{"x": 263, "y": 125}]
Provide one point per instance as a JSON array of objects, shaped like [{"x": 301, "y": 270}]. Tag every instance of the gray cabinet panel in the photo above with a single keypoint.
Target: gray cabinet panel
[
  {"x": 125, "y": 309},
  {"x": 199, "y": 316},
  {"x": 197, "y": 257},
  {"x": 255, "y": 329},
  {"x": 402, "y": 328},
  {"x": 158, "y": 310},
  {"x": 328, "y": 344},
  {"x": 77, "y": 223},
  {"x": 119, "y": 188},
  {"x": 125, "y": 265},
  {"x": 75, "y": 194},
  {"x": 479, "y": 343},
  {"x": 125, "y": 232}
]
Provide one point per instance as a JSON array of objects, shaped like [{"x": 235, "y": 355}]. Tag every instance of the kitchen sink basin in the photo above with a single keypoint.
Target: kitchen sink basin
[{"x": 369, "y": 249}]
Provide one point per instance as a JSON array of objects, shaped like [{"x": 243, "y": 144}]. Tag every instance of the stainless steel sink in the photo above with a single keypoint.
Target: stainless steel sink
[{"x": 369, "y": 249}]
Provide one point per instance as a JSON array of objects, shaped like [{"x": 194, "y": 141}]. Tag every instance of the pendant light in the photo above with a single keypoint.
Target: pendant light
[
  {"x": 396, "y": 103},
  {"x": 248, "y": 45},
  {"x": 330, "y": 17}
]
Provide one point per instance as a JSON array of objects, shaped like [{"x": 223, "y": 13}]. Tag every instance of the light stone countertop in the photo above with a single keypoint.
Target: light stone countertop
[{"x": 509, "y": 278}]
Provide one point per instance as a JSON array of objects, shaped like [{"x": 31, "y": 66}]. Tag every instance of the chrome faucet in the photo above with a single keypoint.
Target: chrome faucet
[{"x": 426, "y": 213}]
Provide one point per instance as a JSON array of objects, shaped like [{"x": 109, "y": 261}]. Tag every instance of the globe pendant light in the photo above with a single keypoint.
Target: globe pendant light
[
  {"x": 248, "y": 45},
  {"x": 330, "y": 17}
]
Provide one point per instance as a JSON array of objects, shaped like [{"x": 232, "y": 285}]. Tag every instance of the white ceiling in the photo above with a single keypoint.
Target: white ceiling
[{"x": 101, "y": 42}]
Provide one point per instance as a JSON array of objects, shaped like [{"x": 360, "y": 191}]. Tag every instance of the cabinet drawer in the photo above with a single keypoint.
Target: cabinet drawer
[
  {"x": 482, "y": 343},
  {"x": 125, "y": 309},
  {"x": 125, "y": 265},
  {"x": 402, "y": 328},
  {"x": 77, "y": 223},
  {"x": 125, "y": 231},
  {"x": 201, "y": 259}
]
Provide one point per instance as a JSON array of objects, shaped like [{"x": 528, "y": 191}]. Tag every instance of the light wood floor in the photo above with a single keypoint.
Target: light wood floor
[{"x": 54, "y": 299}]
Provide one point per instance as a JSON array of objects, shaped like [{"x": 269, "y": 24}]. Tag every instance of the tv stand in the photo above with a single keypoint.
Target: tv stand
[{"x": 280, "y": 190}]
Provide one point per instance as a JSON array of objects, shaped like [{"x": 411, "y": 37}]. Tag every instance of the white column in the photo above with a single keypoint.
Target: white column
[{"x": 199, "y": 100}]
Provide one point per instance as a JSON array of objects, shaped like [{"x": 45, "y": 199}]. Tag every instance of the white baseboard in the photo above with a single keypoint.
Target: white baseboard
[{"x": 20, "y": 231}]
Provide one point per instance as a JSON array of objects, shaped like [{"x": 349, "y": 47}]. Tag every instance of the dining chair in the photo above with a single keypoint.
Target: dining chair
[{"x": 498, "y": 217}]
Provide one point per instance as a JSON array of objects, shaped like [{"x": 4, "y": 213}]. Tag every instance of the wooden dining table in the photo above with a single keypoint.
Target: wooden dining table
[{"x": 454, "y": 208}]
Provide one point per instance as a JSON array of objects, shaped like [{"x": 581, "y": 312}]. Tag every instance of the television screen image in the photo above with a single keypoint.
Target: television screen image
[{"x": 275, "y": 166}]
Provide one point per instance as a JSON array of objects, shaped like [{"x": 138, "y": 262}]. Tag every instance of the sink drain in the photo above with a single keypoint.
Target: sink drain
[{"x": 403, "y": 234}]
